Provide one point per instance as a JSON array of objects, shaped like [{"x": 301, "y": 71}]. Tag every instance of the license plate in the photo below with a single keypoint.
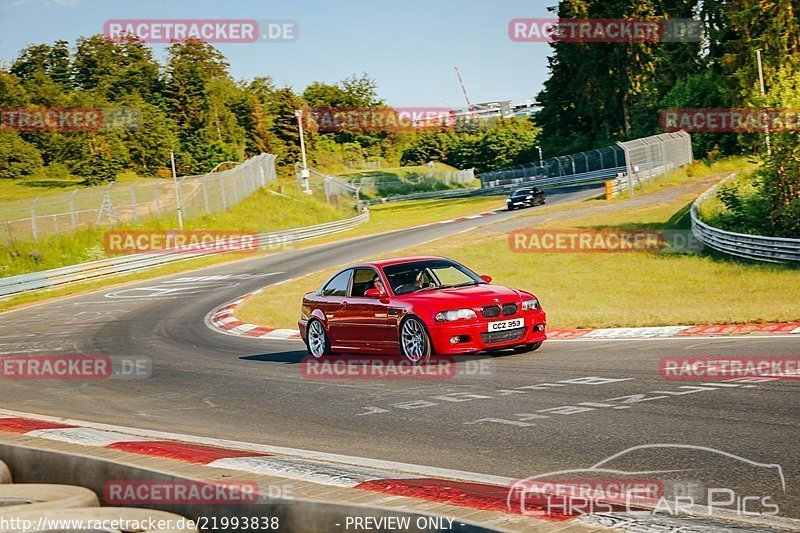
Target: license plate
[{"x": 506, "y": 324}]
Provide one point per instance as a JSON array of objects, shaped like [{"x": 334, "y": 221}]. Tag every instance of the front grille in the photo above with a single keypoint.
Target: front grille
[
  {"x": 509, "y": 309},
  {"x": 493, "y": 337},
  {"x": 491, "y": 311}
]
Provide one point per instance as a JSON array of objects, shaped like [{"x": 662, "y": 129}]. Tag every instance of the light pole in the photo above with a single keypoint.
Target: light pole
[
  {"x": 177, "y": 189},
  {"x": 763, "y": 93},
  {"x": 304, "y": 173},
  {"x": 541, "y": 161}
]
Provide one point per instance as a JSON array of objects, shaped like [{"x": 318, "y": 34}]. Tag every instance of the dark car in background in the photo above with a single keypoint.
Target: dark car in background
[{"x": 527, "y": 197}]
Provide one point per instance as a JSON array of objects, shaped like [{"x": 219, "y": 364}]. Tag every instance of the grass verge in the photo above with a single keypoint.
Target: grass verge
[
  {"x": 383, "y": 218},
  {"x": 263, "y": 211},
  {"x": 594, "y": 290}
]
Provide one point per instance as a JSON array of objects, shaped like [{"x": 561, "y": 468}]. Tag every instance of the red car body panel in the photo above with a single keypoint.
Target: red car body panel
[{"x": 371, "y": 325}]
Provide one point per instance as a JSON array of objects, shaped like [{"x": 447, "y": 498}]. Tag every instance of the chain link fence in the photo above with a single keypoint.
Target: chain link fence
[
  {"x": 337, "y": 192},
  {"x": 116, "y": 203},
  {"x": 602, "y": 162},
  {"x": 431, "y": 179},
  {"x": 657, "y": 155}
]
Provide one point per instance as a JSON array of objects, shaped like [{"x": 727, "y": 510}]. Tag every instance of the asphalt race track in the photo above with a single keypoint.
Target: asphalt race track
[{"x": 567, "y": 406}]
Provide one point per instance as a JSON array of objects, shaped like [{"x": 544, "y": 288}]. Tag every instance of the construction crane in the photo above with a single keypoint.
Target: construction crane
[{"x": 464, "y": 90}]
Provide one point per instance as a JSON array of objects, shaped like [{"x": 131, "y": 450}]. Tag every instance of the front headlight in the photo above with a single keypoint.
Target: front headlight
[
  {"x": 530, "y": 196},
  {"x": 455, "y": 314},
  {"x": 533, "y": 303}
]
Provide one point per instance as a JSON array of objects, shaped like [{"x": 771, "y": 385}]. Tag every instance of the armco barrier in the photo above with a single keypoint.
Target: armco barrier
[
  {"x": 135, "y": 262},
  {"x": 757, "y": 247}
]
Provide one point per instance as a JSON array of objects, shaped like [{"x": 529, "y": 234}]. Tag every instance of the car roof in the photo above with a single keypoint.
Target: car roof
[{"x": 380, "y": 263}]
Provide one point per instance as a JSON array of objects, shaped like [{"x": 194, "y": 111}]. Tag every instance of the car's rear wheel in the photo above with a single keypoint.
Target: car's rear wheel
[
  {"x": 528, "y": 347},
  {"x": 318, "y": 343},
  {"x": 415, "y": 344}
]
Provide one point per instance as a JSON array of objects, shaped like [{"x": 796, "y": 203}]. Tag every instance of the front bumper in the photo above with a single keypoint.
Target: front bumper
[{"x": 473, "y": 335}]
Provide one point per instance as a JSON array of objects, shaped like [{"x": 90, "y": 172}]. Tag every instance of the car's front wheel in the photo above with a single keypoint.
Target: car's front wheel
[
  {"x": 318, "y": 343},
  {"x": 528, "y": 347},
  {"x": 415, "y": 343}
]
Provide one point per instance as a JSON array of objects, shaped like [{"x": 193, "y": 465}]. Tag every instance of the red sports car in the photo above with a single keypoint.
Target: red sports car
[{"x": 418, "y": 306}]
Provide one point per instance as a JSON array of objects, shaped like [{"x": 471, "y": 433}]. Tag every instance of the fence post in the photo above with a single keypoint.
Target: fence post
[
  {"x": 629, "y": 164},
  {"x": 224, "y": 199},
  {"x": 72, "y": 216},
  {"x": 573, "y": 164},
  {"x": 235, "y": 191},
  {"x": 33, "y": 220},
  {"x": 109, "y": 205},
  {"x": 133, "y": 202},
  {"x": 205, "y": 193}
]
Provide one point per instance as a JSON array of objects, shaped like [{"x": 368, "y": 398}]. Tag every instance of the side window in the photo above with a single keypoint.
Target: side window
[
  {"x": 362, "y": 280},
  {"x": 338, "y": 285}
]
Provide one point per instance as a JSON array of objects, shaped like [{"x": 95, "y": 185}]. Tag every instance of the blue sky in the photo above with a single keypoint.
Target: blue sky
[{"x": 408, "y": 46}]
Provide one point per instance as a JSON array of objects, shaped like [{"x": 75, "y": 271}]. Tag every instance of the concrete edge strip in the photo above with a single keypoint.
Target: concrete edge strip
[{"x": 453, "y": 487}]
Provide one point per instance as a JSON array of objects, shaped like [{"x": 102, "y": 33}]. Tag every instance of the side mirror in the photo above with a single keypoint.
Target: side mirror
[
  {"x": 487, "y": 279},
  {"x": 372, "y": 293}
]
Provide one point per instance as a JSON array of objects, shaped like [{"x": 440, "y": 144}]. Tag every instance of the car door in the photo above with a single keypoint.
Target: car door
[
  {"x": 368, "y": 325},
  {"x": 333, "y": 303}
]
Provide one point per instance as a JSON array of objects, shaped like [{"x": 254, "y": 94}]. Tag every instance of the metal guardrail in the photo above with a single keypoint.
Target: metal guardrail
[
  {"x": 756, "y": 247},
  {"x": 136, "y": 262}
]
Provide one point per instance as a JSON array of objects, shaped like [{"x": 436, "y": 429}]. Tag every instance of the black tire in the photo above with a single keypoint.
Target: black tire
[
  {"x": 511, "y": 208},
  {"x": 317, "y": 350},
  {"x": 525, "y": 348},
  {"x": 414, "y": 326}
]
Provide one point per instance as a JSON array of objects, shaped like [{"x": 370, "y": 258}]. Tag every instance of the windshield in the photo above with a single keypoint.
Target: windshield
[
  {"x": 416, "y": 276},
  {"x": 522, "y": 192}
]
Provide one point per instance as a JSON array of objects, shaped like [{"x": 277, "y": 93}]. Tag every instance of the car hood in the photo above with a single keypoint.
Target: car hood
[{"x": 472, "y": 296}]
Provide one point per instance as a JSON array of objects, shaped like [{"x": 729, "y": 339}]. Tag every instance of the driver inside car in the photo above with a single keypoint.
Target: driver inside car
[{"x": 378, "y": 284}]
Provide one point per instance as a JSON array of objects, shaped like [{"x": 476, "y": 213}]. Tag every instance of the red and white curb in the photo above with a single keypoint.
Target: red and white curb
[
  {"x": 661, "y": 332},
  {"x": 476, "y": 491},
  {"x": 472, "y": 217},
  {"x": 223, "y": 319},
  {"x": 452, "y": 487}
]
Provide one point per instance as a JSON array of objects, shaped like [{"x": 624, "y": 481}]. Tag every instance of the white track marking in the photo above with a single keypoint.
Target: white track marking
[
  {"x": 301, "y": 469},
  {"x": 85, "y": 436}
]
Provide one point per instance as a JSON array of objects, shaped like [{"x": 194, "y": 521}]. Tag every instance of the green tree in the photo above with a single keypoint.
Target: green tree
[
  {"x": 286, "y": 128},
  {"x": 17, "y": 157}
]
